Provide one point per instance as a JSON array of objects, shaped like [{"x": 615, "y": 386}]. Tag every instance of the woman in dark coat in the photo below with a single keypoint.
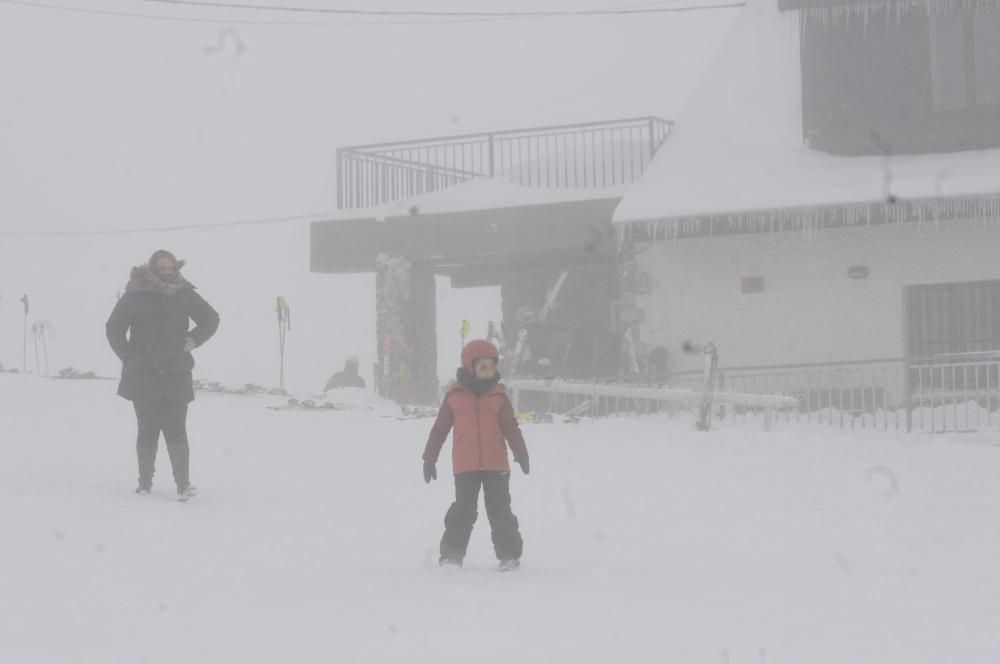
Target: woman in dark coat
[{"x": 149, "y": 331}]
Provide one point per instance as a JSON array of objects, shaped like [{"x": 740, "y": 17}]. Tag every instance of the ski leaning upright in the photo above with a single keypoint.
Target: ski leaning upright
[{"x": 711, "y": 355}]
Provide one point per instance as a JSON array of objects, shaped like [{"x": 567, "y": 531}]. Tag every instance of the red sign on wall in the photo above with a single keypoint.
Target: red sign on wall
[{"x": 753, "y": 284}]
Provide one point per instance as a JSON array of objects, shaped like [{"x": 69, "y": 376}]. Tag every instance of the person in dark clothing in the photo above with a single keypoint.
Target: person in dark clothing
[
  {"x": 349, "y": 377},
  {"x": 478, "y": 409},
  {"x": 149, "y": 331},
  {"x": 656, "y": 366}
]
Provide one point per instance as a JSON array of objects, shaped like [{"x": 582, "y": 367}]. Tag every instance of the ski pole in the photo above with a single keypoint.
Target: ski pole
[
  {"x": 45, "y": 350},
  {"x": 34, "y": 338},
  {"x": 464, "y": 333},
  {"x": 24, "y": 353},
  {"x": 284, "y": 324}
]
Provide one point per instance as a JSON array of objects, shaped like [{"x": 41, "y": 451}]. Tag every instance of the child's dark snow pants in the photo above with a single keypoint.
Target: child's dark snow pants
[{"x": 462, "y": 515}]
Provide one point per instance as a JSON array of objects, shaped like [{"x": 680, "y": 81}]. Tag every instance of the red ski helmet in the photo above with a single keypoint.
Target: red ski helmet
[{"x": 477, "y": 350}]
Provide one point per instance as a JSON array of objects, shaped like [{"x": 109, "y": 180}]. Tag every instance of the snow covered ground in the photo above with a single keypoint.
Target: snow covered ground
[{"x": 314, "y": 540}]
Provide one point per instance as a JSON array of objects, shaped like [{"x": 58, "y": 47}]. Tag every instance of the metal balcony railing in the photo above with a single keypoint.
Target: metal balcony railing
[
  {"x": 578, "y": 156},
  {"x": 947, "y": 392}
]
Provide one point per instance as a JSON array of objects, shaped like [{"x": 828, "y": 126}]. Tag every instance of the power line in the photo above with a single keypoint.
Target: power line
[
  {"x": 270, "y": 221},
  {"x": 193, "y": 19},
  {"x": 649, "y": 4},
  {"x": 608, "y": 11},
  {"x": 457, "y": 17}
]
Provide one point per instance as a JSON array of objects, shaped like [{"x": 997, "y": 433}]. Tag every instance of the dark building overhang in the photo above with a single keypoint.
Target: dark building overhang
[{"x": 470, "y": 242}]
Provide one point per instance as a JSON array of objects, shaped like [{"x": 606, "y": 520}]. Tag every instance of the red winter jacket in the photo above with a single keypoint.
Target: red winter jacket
[{"x": 482, "y": 424}]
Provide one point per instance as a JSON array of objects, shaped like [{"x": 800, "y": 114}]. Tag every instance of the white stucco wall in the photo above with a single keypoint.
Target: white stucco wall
[{"x": 809, "y": 311}]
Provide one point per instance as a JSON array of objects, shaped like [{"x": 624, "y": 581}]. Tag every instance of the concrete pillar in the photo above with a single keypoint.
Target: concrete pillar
[{"x": 406, "y": 312}]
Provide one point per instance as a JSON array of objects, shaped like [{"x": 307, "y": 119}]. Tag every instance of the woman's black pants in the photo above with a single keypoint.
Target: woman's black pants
[{"x": 170, "y": 418}]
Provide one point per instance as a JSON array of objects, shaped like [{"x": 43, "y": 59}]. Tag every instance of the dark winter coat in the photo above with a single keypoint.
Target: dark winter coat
[
  {"x": 147, "y": 330},
  {"x": 483, "y": 427},
  {"x": 345, "y": 379}
]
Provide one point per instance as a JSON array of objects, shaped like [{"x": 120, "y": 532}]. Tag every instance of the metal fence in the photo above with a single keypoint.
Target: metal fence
[
  {"x": 955, "y": 392},
  {"x": 930, "y": 395},
  {"x": 936, "y": 394},
  {"x": 578, "y": 156},
  {"x": 576, "y": 398}
]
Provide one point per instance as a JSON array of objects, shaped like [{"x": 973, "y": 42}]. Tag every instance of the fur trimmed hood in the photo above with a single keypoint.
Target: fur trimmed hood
[{"x": 143, "y": 279}]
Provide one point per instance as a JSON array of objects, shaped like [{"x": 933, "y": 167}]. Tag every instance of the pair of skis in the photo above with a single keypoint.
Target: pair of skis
[
  {"x": 711, "y": 367},
  {"x": 523, "y": 333}
]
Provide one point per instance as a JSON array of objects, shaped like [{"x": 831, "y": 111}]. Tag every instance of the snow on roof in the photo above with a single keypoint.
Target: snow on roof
[
  {"x": 480, "y": 194},
  {"x": 737, "y": 145}
]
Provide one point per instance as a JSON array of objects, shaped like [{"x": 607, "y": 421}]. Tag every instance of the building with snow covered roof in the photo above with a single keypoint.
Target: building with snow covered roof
[
  {"x": 828, "y": 202},
  {"x": 513, "y": 209}
]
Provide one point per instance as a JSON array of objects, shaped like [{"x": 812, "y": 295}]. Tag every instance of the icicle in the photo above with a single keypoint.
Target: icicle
[
  {"x": 827, "y": 16},
  {"x": 812, "y": 221}
]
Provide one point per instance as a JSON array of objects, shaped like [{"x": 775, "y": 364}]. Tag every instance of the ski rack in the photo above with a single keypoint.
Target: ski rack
[{"x": 677, "y": 395}]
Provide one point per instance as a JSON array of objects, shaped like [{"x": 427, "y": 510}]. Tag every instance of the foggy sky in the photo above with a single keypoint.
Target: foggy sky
[
  {"x": 116, "y": 122},
  {"x": 122, "y": 123}
]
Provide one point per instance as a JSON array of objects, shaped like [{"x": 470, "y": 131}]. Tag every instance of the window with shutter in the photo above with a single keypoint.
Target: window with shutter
[{"x": 928, "y": 80}]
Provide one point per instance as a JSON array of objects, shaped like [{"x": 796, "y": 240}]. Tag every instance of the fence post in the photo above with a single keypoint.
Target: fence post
[
  {"x": 430, "y": 180},
  {"x": 492, "y": 165},
  {"x": 720, "y": 384},
  {"x": 768, "y": 418},
  {"x": 340, "y": 178},
  {"x": 908, "y": 393}
]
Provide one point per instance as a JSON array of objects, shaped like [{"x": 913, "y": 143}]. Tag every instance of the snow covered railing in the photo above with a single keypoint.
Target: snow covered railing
[
  {"x": 954, "y": 391},
  {"x": 868, "y": 393},
  {"x": 589, "y": 155},
  {"x": 945, "y": 392},
  {"x": 632, "y": 394}
]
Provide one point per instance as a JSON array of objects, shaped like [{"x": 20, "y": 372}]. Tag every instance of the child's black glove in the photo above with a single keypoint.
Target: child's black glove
[
  {"x": 523, "y": 462},
  {"x": 430, "y": 472}
]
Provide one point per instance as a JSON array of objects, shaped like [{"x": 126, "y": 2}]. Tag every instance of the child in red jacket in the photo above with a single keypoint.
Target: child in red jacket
[{"x": 483, "y": 418}]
